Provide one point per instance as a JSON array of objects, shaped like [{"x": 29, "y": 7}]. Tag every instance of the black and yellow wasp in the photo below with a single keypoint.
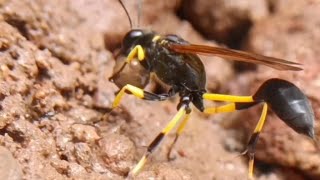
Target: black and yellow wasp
[{"x": 175, "y": 62}]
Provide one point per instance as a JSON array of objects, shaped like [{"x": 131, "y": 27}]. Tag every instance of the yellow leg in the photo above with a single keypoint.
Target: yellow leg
[
  {"x": 140, "y": 93},
  {"x": 234, "y": 106},
  {"x": 254, "y": 139},
  {"x": 157, "y": 140},
  {"x": 262, "y": 119},
  {"x": 238, "y": 103},
  {"x": 183, "y": 124},
  {"x": 251, "y": 165},
  {"x": 178, "y": 133},
  {"x": 137, "y": 51},
  {"x": 221, "y": 109},
  {"x": 134, "y": 90},
  {"x": 227, "y": 98}
]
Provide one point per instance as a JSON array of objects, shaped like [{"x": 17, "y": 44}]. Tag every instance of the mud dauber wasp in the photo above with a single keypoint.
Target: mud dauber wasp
[{"x": 175, "y": 62}]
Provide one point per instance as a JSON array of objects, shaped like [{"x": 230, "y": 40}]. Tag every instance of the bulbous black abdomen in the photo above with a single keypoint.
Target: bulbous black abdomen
[{"x": 289, "y": 104}]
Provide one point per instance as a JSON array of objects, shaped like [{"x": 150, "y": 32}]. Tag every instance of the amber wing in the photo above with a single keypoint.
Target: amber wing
[{"x": 225, "y": 53}]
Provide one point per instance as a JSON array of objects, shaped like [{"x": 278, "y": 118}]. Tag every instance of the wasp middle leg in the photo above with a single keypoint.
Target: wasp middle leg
[
  {"x": 284, "y": 98},
  {"x": 183, "y": 110}
]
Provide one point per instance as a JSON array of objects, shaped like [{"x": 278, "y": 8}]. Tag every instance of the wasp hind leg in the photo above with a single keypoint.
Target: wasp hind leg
[
  {"x": 254, "y": 139},
  {"x": 213, "y": 110},
  {"x": 230, "y": 107},
  {"x": 250, "y": 150},
  {"x": 227, "y": 98},
  {"x": 152, "y": 146},
  {"x": 239, "y": 103}
]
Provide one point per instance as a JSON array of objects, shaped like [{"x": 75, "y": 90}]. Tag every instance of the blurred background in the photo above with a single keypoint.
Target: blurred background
[{"x": 55, "y": 60}]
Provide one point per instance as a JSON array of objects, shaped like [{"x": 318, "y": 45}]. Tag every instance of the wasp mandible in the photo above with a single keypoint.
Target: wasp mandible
[{"x": 176, "y": 63}]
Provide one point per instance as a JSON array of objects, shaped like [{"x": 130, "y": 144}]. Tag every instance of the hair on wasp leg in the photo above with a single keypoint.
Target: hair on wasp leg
[{"x": 176, "y": 63}]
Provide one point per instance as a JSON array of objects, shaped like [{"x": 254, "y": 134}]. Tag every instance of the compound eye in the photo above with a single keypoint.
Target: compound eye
[
  {"x": 131, "y": 37},
  {"x": 135, "y": 33}
]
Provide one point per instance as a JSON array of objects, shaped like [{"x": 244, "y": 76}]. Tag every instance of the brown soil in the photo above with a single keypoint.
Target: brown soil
[{"x": 55, "y": 60}]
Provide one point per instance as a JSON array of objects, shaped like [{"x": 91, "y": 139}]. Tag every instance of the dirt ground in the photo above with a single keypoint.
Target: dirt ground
[{"x": 55, "y": 98}]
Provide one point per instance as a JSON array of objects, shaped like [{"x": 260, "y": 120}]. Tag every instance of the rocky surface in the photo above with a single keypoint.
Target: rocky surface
[
  {"x": 9, "y": 168},
  {"x": 290, "y": 34},
  {"x": 55, "y": 60},
  {"x": 226, "y": 21}
]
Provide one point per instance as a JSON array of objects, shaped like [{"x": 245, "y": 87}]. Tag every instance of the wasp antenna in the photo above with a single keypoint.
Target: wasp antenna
[
  {"x": 139, "y": 11},
  {"x": 127, "y": 13}
]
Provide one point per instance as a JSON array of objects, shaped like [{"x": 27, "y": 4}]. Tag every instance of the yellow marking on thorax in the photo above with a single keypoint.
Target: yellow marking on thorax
[
  {"x": 156, "y": 38},
  {"x": 159, "y": 38},
  {"x": 163, "y": 42}
]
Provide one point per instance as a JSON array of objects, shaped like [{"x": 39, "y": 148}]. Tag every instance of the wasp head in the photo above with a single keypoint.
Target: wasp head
[
  {"x": 133, "y": 73},
  {"x": 135, "y": 37}
]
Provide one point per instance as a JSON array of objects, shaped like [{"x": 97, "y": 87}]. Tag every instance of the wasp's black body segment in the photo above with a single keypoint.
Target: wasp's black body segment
[
  {"x": 175, "y": 62},
  {"x": 289, "y": 104},
  {"x": 185, "y": 73}
]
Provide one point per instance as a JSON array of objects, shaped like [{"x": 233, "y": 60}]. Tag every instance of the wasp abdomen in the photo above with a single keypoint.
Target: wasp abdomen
[{"x": 289, "y": 103}]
